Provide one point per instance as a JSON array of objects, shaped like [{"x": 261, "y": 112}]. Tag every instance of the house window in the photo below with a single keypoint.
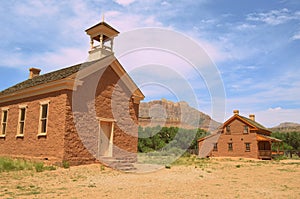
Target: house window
[
  {"x": 230, "y": 148},
  {"x": 21, "y": 121},
  {"x": 4, "y": 122},
  {"x": 247, "y": 146},
  {"x": 246, "y": 129},
  {"x": 228, "y": 129},
  {"x": 215, "y": 147},
  {"x": 43, "y": 118}
]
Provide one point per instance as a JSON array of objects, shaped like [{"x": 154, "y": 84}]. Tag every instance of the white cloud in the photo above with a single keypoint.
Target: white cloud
[
  {"x": 274, "y": 109},
  {"x": 245, "y": 26},
  {"x": 165, "y": 3},
  {"x": 296, "y": 36},
  {"x": 127, "y": 21},
  {"x": 124, "y": 2},
  {"x": 47, "y": 61},
  {"x": 274, "y": 17},
  {"x": 36, "y": 8},
  {"x": 274, "y": 116}
]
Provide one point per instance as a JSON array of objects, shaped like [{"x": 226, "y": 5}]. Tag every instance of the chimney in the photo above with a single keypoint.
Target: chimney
[
  {"x": 252, "y": 117},
  {"x": 236, "y": 112},
  {"x": 33, "y": 72}
]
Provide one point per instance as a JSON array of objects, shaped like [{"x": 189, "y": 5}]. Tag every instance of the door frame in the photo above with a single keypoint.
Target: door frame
[{"x": 111, "y": 138}]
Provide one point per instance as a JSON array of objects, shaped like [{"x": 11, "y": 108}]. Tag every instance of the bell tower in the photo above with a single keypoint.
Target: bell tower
[{"x": 102, "y": 39}]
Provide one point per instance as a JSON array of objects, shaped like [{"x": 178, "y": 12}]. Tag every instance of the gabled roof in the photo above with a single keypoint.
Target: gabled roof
[
  {"x": 248, "y": 121},
  {"x": 60, "y": 79},
  {"x": 254, "y": 123},
  {"x": 45, "y": 78}
]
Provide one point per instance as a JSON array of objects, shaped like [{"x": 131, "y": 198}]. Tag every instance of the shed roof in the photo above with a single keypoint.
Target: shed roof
[{"x": 260, "y": 137}]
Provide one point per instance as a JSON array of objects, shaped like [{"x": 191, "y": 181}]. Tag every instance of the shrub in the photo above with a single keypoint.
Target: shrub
[
  {"x": 9, "y": 164},
  {"x": 66, "y": 164},
  {"x": 39, "y": 166},
  {"x": 168, "y": 166},
  {"x": 50, "y": 168}
]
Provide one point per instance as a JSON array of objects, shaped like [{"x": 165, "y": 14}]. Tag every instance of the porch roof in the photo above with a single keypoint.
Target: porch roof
[{"x": 260, "y": 137}]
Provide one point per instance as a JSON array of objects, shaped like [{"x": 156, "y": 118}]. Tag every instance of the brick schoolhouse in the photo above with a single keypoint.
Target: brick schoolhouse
[
  {"x": 238, "y": 137},
  {"x": 76, "y": 114}
]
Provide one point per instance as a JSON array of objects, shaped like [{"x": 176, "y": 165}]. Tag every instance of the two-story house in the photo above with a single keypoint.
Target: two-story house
[{"x": 238, "y": 137}]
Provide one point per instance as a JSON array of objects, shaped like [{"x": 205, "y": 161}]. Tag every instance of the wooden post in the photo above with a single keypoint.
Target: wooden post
[
  {"x": 101, "y": 41},
  {"x": 92, "y": 43}
]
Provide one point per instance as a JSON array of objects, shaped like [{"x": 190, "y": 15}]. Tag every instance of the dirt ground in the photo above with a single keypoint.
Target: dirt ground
[{"x": 215, "y": 178}]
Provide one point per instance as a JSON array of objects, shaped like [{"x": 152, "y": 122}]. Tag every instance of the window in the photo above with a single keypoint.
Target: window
[
  {"x": 247, "y": 146},
  {"x": 228, "y": 129},
  {"x": 43, "y": 118},
  {"x": 21, "y": 126},
  {"x": 246, "y": 129},
  {"x": 4, "y": 121},
  {"x": 230, "y": 148},
  {"x": 215, "y": 147}
]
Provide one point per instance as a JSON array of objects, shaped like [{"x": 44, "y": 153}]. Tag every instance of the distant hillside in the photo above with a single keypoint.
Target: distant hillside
[
  {"x": 286, "y": 127},
  {"x": 178, "y": 114}
]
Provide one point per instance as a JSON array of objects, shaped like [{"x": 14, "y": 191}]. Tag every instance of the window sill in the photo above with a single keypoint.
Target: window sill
[
  {"x": 2, "y": 136},
  {"x": 19, "y": 136},
  {"x": 42, "y": 135}
]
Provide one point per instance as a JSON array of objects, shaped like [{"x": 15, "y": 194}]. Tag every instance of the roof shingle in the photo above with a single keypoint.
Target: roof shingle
[{"x": 48, "y": 77}]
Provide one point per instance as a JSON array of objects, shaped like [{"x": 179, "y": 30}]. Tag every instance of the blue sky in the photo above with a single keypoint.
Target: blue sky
[{"x": 255, "y": 44}]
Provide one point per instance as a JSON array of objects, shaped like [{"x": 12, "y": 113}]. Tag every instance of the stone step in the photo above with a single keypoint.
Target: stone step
[{"x": 123, "y": 164}]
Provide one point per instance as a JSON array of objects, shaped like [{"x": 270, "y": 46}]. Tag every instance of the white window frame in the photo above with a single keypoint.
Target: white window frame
[
  {"x": 248, "y": 149},
  {"x": 230, "y": 148},
  {"x": 21, "y": 107},
  {"x": 246, "y": 129},
  {"x": 228, "y": 130},
  {"x": 4, "y": 109},
  {"x": 40, "y": 133}
]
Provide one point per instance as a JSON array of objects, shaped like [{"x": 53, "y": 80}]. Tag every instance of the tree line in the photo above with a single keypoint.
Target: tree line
[
  {"x": 165, "y": 138},
  {"x": 291, "y": 140}
]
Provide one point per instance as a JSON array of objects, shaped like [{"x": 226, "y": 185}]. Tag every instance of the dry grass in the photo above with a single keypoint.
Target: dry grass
[{"x": 188, "y": 177}]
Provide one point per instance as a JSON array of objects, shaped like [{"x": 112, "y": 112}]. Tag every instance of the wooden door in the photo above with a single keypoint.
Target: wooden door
[{"x": 105, "y": 136}]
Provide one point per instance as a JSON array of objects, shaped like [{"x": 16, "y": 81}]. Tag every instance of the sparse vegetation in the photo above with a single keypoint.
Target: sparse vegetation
[
  {"x": 10, "y": 164},
  {"x": 182, "y": 180},
  {"x": 65, "y": 164}
]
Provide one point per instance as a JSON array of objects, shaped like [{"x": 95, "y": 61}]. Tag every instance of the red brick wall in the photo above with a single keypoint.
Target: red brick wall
[
  {"x": 32, "y": 146},
  {"x": 63, "y": 140},
  {"x": 112, "y": 101},
  {"x": 238, "y": 140}
]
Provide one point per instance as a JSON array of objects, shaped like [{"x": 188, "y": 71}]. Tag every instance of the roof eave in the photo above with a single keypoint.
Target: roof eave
[{"x": 63, "y": 84}]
